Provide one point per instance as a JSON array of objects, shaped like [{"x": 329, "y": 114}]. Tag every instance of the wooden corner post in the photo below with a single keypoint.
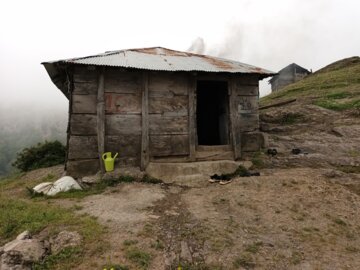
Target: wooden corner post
[
  {"x": 144, "y": 121},
  {"x": 100, "y": 110},
  {"x": 234, "y": 119},
  {"x": 192, "y": 116}
]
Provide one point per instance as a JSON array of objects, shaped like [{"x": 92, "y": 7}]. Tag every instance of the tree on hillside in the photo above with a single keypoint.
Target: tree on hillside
[{"x": 40, "y": 156}]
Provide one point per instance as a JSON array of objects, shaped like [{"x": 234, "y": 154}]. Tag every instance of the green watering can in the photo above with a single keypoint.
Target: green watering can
[{"x": 109, "y": 161}]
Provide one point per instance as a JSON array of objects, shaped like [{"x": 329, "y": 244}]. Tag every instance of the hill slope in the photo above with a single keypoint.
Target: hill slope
[
  {"x": 336, "y": 87},
  {"x": 324, "y": 122}
]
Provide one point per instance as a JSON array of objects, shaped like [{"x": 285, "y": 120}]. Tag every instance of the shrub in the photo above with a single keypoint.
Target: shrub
[{"x": 40, "y": 156}]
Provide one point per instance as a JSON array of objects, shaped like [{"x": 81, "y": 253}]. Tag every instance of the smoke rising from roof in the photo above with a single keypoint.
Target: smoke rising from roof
[{"x": 197, "y": 46}]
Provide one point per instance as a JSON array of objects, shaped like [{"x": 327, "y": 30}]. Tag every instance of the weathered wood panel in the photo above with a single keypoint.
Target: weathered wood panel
[
  {"x": 246, "y": 80},
  {"x": 100, "y": 120},
  {"x": 116, "y": 124},
  {"x": 159, "y": 124},
  {"x": 85, "y": 88},
  {"x": 169, "y": 145},
  {"x": 84, "y": 73},
  {"x": 192, "y": 117},
  {"x": 177, "y": 105},
  {"x": 120, "y": 81},
  {"x": 234, "y": 120},
  {"x": 252, "y": 142},
  {"x": 80, "y": 168},
  {"x": 248, "y": 122},
  {"x": 247, "y": 90},
  {"x": 122, "y": 103},
  {"x": 83, "y": 124},
  {"x": 167, "y": 84},
  {"x": 145, "y": 152},
  {"x": 82, "y": 147},
  {"x": 126, "y": 145},
  {"x": 84, "y": 104},
  {"x": 246, "y": 104}
]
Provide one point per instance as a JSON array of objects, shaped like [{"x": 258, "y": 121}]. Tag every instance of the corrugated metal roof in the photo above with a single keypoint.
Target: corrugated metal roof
[{"x": 162, "y": 59}]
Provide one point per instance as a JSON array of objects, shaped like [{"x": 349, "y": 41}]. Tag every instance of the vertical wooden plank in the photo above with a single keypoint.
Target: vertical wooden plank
[
  {"x": 100, "y": 109},
  {"x": 70, "y": 81},
  {"x": 235, "y": 132},
  {"x": 145, "y": 121},
  {"x": 192, "y": 118}
]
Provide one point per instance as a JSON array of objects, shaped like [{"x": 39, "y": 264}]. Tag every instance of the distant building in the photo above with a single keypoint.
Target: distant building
[{"x": 289, "y": 74}]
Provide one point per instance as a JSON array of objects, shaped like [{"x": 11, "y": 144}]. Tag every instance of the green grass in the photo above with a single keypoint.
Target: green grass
[
  {"x": 349, "y": 169},
  {"x": 20, "y": 213},
  {"x": 138, "y": 257},
  {"x": 115, "y": 267},
  {"x": 245, "y": 260},
  {"x": 254, "y": 248},
  {"x": 336, "y": 87},
  {"x": 66, "y": 258}
]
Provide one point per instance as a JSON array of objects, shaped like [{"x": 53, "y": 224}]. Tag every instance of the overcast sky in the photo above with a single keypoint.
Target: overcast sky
[{"x": 269, "y": 34}]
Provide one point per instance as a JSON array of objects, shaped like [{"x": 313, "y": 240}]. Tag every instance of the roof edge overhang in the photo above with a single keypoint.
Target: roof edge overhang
[{"x": 58, "y": 75}]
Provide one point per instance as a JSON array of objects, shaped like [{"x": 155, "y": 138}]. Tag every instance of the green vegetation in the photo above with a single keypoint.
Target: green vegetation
[
  {"x": 22, "y": 128},
  {"x": 115, "y": 267},
  {"x": 335, "y": 87},
  {"x": 66, "y": 258},
  {"x": 19, "y": 213},
  {"x": 141, "y": 258},
  {"x": 158, "y": 245},
  {"x": 349, "y": 168},
  {"x": 40, "y": 156},
  {"x": 254, "y": 248},
  {"x": 245, "y": 260}
]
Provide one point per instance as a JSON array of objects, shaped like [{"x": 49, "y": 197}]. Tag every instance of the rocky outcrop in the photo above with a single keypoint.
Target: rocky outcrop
[{"x": 22, "y": 252}]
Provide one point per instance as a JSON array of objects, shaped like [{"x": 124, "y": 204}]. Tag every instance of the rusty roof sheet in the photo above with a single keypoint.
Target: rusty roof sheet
[{"x": 162, "y": 59}]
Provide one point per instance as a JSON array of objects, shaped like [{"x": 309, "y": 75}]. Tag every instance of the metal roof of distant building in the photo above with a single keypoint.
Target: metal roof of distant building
[{"x": 162, "y": 59}]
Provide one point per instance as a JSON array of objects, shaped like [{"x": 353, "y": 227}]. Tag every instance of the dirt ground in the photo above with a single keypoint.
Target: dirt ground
[{"x": 298, "y": 218}]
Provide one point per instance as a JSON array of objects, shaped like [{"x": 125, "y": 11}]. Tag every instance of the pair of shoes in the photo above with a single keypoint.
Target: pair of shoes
[
  {"x": 213, "y": 180},
  {"x": 225, "y": 182}
]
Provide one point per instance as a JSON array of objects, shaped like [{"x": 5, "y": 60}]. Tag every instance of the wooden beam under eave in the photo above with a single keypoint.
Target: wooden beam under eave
[
  {"x": 100, "y": 111},
  {"x": 145, "y": 121}
]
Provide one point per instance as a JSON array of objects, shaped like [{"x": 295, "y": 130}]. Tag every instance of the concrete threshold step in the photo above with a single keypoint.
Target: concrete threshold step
[{"x": 192, "y": 173}]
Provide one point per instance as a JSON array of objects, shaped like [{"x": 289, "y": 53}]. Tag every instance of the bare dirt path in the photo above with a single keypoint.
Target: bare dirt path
[{"x": 285, "y": 219}]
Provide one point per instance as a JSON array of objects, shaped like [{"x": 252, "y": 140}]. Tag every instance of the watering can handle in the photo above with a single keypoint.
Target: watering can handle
[
  {"x": 116, "y": 155},
  {"x": 104, "y": 156}
]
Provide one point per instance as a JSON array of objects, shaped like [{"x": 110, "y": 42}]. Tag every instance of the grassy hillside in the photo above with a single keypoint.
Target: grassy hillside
[{"x": 335, "y": 87}]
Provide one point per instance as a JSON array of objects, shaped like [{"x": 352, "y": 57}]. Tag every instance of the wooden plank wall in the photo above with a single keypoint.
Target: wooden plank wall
[
  {"x": 168, "y": 114},
  {"x": 123, "y": 104},
  {"x": 245, "y": 104},
  {"x": 83, "y": 145}
]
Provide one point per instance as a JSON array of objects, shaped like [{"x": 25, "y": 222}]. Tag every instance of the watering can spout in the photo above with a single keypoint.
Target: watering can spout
[{"x": 109, "y": 161}]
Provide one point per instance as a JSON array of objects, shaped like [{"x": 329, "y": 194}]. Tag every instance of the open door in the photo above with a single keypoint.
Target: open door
[{"x": 212, "y": 113}]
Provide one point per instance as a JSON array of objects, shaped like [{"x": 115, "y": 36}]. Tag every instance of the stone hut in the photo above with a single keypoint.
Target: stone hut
[
  {"x": 289, "y": 74},
  {"x": 157, "y": 105}
]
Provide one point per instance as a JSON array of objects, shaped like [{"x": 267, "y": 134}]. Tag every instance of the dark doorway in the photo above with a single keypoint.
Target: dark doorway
[{"x": 212, "y": 113}]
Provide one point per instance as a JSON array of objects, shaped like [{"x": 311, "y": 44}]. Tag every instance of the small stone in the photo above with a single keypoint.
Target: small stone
[
  {"x": 185, "y": 252},
  {"x": 92, "y": 179}
]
